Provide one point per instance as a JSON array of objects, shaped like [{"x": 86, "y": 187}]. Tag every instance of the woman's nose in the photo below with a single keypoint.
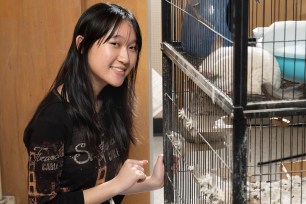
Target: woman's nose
[{"x": 124, "y": 55}]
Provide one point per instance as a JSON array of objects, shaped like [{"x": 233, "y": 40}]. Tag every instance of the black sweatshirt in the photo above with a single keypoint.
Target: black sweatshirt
[{"x": 60, "y": 168}]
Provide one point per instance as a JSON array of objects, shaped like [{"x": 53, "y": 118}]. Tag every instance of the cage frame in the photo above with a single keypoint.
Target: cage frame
[{"x": 237, "y": 107}]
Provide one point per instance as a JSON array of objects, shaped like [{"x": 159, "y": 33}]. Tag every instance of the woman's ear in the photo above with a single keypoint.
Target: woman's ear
[{"x": 78, "y": 40}]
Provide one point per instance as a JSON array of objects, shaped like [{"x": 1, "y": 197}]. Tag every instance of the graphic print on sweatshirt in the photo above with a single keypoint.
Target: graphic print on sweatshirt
[{"x": 55, "y": 169}]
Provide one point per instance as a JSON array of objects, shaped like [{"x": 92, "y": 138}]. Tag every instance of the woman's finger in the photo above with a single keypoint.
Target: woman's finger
[{"x": 143, "y": 175}]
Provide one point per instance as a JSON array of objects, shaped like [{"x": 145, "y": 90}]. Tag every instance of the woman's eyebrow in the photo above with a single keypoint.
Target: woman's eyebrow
[
  {"x": 120, "y": 36},
  {"x": 117, "y": 36}
]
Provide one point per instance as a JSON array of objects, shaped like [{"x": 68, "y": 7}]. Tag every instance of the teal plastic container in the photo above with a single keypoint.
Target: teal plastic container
[
  {"x": 292, "y": 69},
  {"x": 291, "y": 60},
  {"x": 286, "y": 40}
]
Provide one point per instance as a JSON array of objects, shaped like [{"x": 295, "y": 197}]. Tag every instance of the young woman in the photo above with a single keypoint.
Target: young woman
[{"x": 79, "y": 137}]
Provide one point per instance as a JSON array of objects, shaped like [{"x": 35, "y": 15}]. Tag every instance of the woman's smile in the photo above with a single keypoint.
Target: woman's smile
[{"x": 120, "y": 70}]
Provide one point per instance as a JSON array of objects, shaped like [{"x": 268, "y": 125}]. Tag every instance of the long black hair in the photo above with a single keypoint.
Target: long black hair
[{"x": 117, "y": 113}]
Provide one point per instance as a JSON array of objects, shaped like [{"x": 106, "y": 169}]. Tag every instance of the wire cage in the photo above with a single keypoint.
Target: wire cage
[{"x": 234, "y": 106}]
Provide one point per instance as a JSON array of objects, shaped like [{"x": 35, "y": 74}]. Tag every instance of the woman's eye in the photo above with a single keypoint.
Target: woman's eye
[
  {"x": 133, "y": 48},
  {"x": 115, "y": 44}
]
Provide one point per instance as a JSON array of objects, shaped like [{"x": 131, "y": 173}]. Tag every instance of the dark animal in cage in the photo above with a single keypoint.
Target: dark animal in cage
[{"x": 201, "y": 122}]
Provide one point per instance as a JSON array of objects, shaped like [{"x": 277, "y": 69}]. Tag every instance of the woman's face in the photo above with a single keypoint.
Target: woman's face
[{"x": 110, "y": 62}]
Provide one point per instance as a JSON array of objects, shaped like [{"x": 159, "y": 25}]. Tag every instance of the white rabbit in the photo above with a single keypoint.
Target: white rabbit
[{"x": 263, "y": 68}]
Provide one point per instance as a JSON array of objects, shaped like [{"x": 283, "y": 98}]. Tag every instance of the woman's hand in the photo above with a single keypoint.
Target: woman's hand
[
  {"x": 145, "y": 184},
  {"x": 157, "y": 176},
  {"x": 131, "y": 172}
]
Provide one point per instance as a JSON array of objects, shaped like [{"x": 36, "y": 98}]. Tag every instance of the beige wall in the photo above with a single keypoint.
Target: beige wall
[
  {"x": 34, "y": 38},
  {"x": 155, "y": 36},
  {"x": 155, "y": 52}
]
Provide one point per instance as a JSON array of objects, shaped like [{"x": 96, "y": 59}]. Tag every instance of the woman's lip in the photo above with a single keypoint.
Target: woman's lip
[{"x": 118, "y": 69}]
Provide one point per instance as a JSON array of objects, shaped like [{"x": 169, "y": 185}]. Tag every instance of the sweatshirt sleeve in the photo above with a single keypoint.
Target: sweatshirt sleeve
[{"x": 46, "y": 137}]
